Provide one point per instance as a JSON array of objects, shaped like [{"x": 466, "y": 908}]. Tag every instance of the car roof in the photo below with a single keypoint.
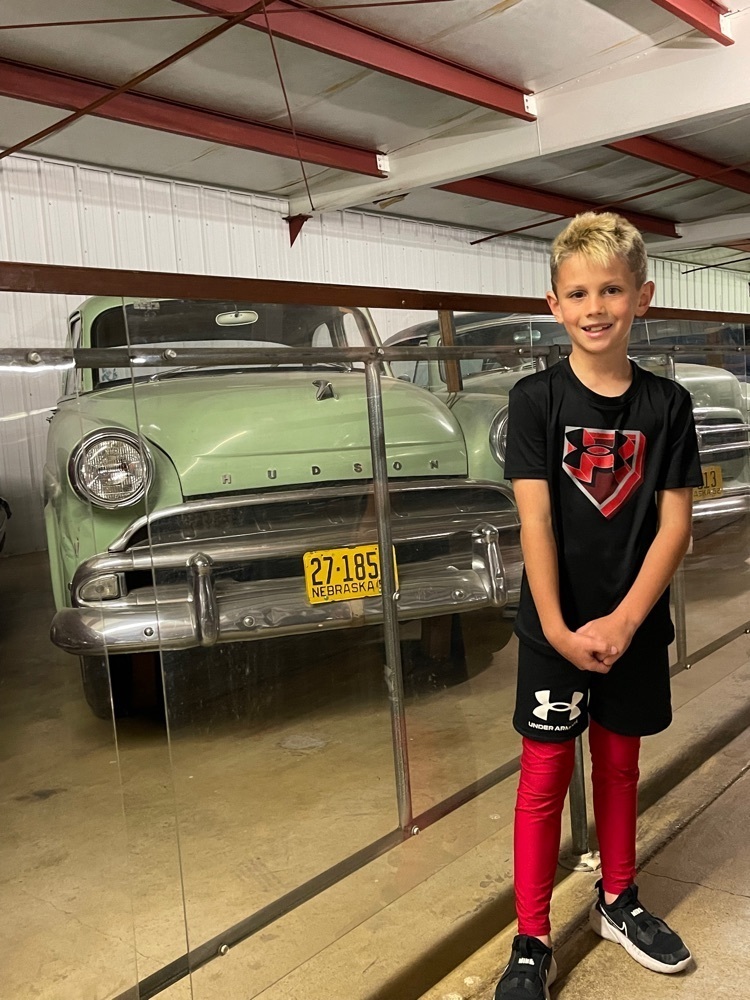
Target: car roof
[{"x": 470, "y": 320}]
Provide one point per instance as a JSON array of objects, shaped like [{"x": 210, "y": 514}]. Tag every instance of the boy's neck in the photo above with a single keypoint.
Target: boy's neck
[{"x": 604, "y": 374}]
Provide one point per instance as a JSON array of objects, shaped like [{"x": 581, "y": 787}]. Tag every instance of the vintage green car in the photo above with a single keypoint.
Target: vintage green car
[
  {"x": 721, "y": 403},
  {"x": 190, "y": 506}
]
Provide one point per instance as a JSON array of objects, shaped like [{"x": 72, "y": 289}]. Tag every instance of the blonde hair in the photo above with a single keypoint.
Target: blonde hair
[{"x": 600, "y": 236}]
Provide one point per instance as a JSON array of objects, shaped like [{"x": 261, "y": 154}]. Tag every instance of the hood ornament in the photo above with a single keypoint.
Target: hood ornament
[{"x": 325, "y": 389}]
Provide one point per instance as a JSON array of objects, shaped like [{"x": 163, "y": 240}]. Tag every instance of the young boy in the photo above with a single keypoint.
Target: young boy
[{"x": 603, "y": 456}]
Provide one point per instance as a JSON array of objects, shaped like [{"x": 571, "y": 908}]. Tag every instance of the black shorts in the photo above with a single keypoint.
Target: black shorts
[{"x": 554, "y": 699}]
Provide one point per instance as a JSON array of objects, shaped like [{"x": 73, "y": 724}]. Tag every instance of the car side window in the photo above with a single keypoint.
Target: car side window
[
  {"x": 414, "y": 371},
  {"x": 507, "y": 334}
]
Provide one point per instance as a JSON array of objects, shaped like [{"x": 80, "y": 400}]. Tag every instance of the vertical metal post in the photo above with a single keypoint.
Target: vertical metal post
[
  {"x": 579, "y": 827},
  {"x": 680, "y": 615},
  {"x": 581, "y": 857},
  {"x": 393, "y": 667}
]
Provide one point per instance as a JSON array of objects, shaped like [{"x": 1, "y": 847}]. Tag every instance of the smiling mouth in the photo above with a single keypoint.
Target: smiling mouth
[{"x": 597, "y": 328}]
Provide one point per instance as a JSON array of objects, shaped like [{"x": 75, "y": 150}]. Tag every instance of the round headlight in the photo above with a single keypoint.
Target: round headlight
[
  {"x": 111, "y": 468},
  {"x": 499, "y": 435}
]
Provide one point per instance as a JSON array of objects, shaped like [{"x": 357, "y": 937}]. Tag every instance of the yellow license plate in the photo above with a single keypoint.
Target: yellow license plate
[
  {"x": 713, "y": 483},
  {"x": 342, "y": 574}
]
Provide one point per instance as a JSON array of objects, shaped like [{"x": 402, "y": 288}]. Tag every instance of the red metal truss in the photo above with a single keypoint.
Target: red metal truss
[
  {"x": 656, "y": 151},
  {"x": 326, "y": 33},
  {"x": 490, "y": 189},
  {"x": 59, "y": 90},
  {"x": 704, "y": 15}
]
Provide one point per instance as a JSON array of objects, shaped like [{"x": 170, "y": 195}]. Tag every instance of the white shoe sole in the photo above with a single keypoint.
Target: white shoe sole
[
  {"x": 601, "y": 926},
  {"x": 552, "y": 976}
]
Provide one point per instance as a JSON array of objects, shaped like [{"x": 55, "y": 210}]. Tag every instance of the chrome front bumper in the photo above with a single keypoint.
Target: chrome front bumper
[
  {"x": 734, "y": 502},
  {"x": 457, "y": 548}
]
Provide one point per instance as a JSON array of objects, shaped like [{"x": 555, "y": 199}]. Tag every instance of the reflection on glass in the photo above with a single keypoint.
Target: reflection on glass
[
  {"x": 275, "y": 702},
  {"x": 64, "y": 864},
  {"x": 460, "y": 675},
  {"x": 457, "y": 648},
  {"x": 708, "y": 359},
  {"x": 716, "y": 572}
]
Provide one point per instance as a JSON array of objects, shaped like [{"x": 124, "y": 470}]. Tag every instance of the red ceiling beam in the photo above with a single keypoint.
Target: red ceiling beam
[
  {"x": 59, "y": 90},
  {"x": 703, "y": 15},
  {"x": 329, "y": 34},
  {"x": 490, "y": 189},
  {"x": 656, "y": 151}
]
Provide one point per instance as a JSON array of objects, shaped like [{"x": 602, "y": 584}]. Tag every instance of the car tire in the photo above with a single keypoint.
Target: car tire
[
  {"x": 122, "y": 685},
  {"x": 438, "y": 659}
]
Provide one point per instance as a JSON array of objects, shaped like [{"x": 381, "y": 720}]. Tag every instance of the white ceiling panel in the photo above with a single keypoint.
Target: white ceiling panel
[
  {"x": 530, "y": 43},
  {"x": 130, "y": 147},
  {"x": 108, "y": 52}
]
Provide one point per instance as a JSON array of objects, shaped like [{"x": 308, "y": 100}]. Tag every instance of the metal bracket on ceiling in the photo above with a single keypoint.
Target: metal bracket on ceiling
[
  {"x": 383, "y": 163},
  {"x": 295, "y": 223}
]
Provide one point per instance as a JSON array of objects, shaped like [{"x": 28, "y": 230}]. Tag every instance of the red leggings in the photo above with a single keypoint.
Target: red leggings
[{"x": 546, "y": 770}]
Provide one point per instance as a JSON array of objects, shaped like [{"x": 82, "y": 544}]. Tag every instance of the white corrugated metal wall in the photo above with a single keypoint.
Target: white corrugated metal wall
[{"x": 55, "y": 212}]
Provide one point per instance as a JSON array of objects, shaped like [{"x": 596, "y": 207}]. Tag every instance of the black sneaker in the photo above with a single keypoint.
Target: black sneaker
[
  {"x": 644, "y": 937},
  {"x": 529, "y": 973}
]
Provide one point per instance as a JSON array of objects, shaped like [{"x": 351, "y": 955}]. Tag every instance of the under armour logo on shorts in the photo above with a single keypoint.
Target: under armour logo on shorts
[{"x": 546, "y": 706}]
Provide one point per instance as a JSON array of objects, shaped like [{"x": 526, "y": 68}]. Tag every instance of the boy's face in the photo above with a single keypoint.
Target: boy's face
[{"x": 596, "y": 304}]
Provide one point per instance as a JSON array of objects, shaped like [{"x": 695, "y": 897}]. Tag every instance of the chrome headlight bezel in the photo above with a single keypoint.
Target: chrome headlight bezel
[
  {"x": 499, "y": 435},
  {"x": 122, "y": 436}
]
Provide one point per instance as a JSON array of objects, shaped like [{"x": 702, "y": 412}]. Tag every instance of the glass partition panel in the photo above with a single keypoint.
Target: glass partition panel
[
  {"x": 64, "y": 849},
  {"x": 712, "y": 365},
  {"x": 251, "y": 576},
  {"x": 710, "y": 591},
  {"x": 457, "y": 550}
]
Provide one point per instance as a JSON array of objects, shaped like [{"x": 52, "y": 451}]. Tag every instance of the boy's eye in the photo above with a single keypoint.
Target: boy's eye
[{"x": 612, "y": 290}]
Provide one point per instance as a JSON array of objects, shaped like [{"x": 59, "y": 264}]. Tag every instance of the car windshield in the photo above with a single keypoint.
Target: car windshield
[
  {"x": 524, "y": 333},
  {"x": 182, "y": 323},
  {"x": 530, "y": 333}
]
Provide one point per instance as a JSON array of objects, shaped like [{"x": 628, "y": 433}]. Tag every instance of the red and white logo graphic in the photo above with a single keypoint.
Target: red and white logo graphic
[{"x": 607, "y": 466}]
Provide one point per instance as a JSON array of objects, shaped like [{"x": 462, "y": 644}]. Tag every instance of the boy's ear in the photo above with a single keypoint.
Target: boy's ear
[
  {"x": 645, "y": 296},
  {"x": 554, "y": 306}
]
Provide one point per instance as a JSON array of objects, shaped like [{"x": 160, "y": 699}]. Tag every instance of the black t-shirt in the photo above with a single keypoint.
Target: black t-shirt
[{"x": 604, "y": 458}]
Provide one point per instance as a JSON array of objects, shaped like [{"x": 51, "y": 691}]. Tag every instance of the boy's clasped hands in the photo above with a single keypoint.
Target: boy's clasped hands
[{"x": 596, "y": 645}]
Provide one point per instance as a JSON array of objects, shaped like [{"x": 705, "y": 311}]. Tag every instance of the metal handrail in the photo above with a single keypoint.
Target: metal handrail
[{"x": 152, "y": 357}]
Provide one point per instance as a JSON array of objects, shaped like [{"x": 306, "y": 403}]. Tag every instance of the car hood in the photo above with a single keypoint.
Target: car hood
[
  {"x": 710, "y": 386},
  {"x": 227, "y": 432}
]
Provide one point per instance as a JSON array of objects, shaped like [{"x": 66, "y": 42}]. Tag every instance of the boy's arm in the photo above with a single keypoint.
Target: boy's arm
[
  {"x": 662, "y": 559},
  {"x": 540, "y": 556}
]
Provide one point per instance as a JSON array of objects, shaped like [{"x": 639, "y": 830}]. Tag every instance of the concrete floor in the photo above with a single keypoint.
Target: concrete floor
[
  {"x": 700, "y": 883},
  {"x": 120, "y": 848}
]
